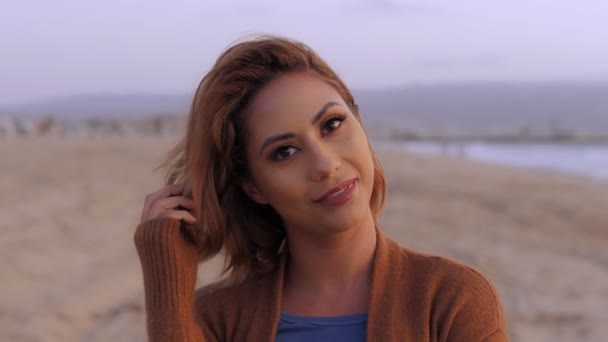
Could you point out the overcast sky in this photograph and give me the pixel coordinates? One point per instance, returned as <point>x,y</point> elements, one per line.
<point>66,47</point>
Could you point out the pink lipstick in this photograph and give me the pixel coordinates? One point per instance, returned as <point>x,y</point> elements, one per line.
<point>340,194</point>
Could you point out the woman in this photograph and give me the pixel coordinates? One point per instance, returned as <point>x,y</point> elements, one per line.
<point>276,170</point>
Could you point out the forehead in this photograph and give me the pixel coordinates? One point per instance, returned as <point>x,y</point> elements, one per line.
<point>288,100</point>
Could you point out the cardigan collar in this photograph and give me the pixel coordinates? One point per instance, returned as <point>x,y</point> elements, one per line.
<point>385,279</point>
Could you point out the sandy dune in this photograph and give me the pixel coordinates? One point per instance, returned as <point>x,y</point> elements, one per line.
<point>70,272</point>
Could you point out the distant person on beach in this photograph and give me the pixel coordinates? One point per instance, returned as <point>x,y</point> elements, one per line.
<point>276,172</point>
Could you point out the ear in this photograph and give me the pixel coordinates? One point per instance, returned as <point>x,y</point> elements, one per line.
<point>253,193</point>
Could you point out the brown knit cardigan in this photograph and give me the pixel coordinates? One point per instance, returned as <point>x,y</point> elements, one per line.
<point>414,297</point>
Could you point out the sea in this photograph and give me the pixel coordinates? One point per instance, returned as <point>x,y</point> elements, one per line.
<point>588,160</point>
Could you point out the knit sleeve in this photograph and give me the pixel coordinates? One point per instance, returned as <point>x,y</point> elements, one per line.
<point>477,313</point>
<point>169,263</point>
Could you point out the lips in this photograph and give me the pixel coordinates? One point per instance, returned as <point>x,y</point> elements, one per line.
<point>339,194</point>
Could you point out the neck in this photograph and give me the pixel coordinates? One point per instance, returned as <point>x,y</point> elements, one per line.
<point>331,264</point>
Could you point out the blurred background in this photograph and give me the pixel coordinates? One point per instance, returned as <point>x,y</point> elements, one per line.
<point>491,120</point>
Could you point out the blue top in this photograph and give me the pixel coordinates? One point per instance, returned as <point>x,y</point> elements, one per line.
<point>294,328</point>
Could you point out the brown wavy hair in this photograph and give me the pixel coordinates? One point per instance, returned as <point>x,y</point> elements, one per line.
<point>211,161</point>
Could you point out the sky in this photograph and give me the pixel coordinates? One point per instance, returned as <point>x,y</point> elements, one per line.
<point>69,47</point>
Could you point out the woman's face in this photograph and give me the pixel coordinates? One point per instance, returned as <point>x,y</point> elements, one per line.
<point>308,156</point>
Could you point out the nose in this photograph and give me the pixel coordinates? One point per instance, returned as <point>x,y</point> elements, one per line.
<point>324,162</point>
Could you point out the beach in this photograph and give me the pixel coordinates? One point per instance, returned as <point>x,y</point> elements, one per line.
<point>69,207</point>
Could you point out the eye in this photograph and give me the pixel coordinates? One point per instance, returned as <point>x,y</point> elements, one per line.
<point>283,152</point>
<point>332,124</point>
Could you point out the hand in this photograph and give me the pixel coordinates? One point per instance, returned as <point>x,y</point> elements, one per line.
<point>165,203</point>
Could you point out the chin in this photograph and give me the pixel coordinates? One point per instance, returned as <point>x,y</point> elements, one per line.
<point>341,224</point>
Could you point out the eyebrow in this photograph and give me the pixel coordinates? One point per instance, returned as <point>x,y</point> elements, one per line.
<point>313,121</point>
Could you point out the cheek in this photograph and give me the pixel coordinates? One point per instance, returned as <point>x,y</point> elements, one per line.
<point>360,145</point>
<point>278,186</point>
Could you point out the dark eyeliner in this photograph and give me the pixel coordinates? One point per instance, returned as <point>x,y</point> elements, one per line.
<point>275,152</point>
<point>340,117</point>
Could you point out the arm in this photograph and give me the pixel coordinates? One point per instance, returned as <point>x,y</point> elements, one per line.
<point>169,263</point>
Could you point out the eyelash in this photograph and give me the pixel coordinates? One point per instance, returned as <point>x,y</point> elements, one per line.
<point>338,117</point>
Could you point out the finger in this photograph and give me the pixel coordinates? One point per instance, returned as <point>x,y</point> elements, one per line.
<point>150,198</point>
<point>173,202</point>
<point>161,207</point>
<point>180,215</point>
<point>164,192</point>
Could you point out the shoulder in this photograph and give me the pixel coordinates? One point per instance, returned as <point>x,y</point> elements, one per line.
<point>221,297</point>
<point>214,306</point>
<point>447,276</point>
<point>435,274</point>
<point>219,306</point>
<point>462,300</point>
<point>230,312</point>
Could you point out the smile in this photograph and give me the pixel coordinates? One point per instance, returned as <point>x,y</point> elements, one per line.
<point>334,194</point>
<point>340,194</point>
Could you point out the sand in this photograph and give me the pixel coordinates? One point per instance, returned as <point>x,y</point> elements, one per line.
<point>68,209</point>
